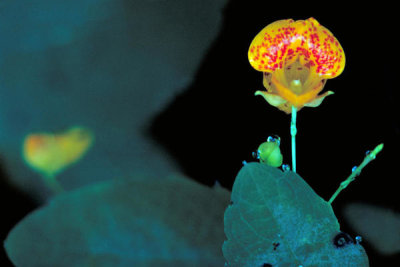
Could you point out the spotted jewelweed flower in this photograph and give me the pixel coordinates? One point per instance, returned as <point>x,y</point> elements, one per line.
<point>296,58</point>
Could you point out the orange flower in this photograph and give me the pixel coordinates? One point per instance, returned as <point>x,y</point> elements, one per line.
<point>296,58</point>
<point>50,153</point>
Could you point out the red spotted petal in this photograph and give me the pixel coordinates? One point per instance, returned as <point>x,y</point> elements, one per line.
<point>273,46</point>
<point>284,41</point>
<point>323,49</point>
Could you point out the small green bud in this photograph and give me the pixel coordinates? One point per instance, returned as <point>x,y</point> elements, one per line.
<point>270,153</point>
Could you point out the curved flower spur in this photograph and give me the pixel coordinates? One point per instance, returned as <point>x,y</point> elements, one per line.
<point>296,58</point>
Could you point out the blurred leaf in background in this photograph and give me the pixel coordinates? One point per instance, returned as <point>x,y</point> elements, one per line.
<point>379,226</point>
<point>125,222</point>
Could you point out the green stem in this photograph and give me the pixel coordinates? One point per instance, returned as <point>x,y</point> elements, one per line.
<point>53,184</point>
<point>293,132</point>
<point>368,158</point>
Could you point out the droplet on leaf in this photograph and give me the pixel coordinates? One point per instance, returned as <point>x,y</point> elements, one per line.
<point>285,167</point>
<point>342,239</point>
<point>256,154</point>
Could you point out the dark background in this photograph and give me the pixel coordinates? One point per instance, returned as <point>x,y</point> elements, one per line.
<point>217,122</point>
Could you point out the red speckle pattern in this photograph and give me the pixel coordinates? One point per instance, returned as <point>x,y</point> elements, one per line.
<point>285,41</point>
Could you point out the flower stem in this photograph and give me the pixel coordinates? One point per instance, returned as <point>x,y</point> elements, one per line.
<point>355,172</point>
<point>293,132</point>
<point>53,184</point>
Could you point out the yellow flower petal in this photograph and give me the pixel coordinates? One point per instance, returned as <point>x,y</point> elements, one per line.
<point>282,42</point>
<point>275,100</point>
<point>49,153</point>
<point>322,50</point>
<point>296,58</point>
<point>269,49</point>
<point>318,100</point>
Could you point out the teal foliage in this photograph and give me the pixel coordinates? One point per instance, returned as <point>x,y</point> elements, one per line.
<point>276,218</point>
<point>127,222</point>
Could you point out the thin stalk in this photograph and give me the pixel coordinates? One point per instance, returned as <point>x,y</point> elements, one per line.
<point>53,183</point>
<point>355,172</point>
<point>293,132</point>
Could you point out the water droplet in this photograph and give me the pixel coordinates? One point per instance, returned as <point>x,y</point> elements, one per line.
<point>342,239</point>
<point>354,168</point>
<point>368,153</point>
<point>274,138</point>
<point>256,154</point>
<point>217,185</point>
<point>358,239</point>
<point>244,162</point>
<point>285,167</point>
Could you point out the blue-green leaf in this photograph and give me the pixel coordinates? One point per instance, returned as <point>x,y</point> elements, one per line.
<point>140,222</point>
<point>276,219</point>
